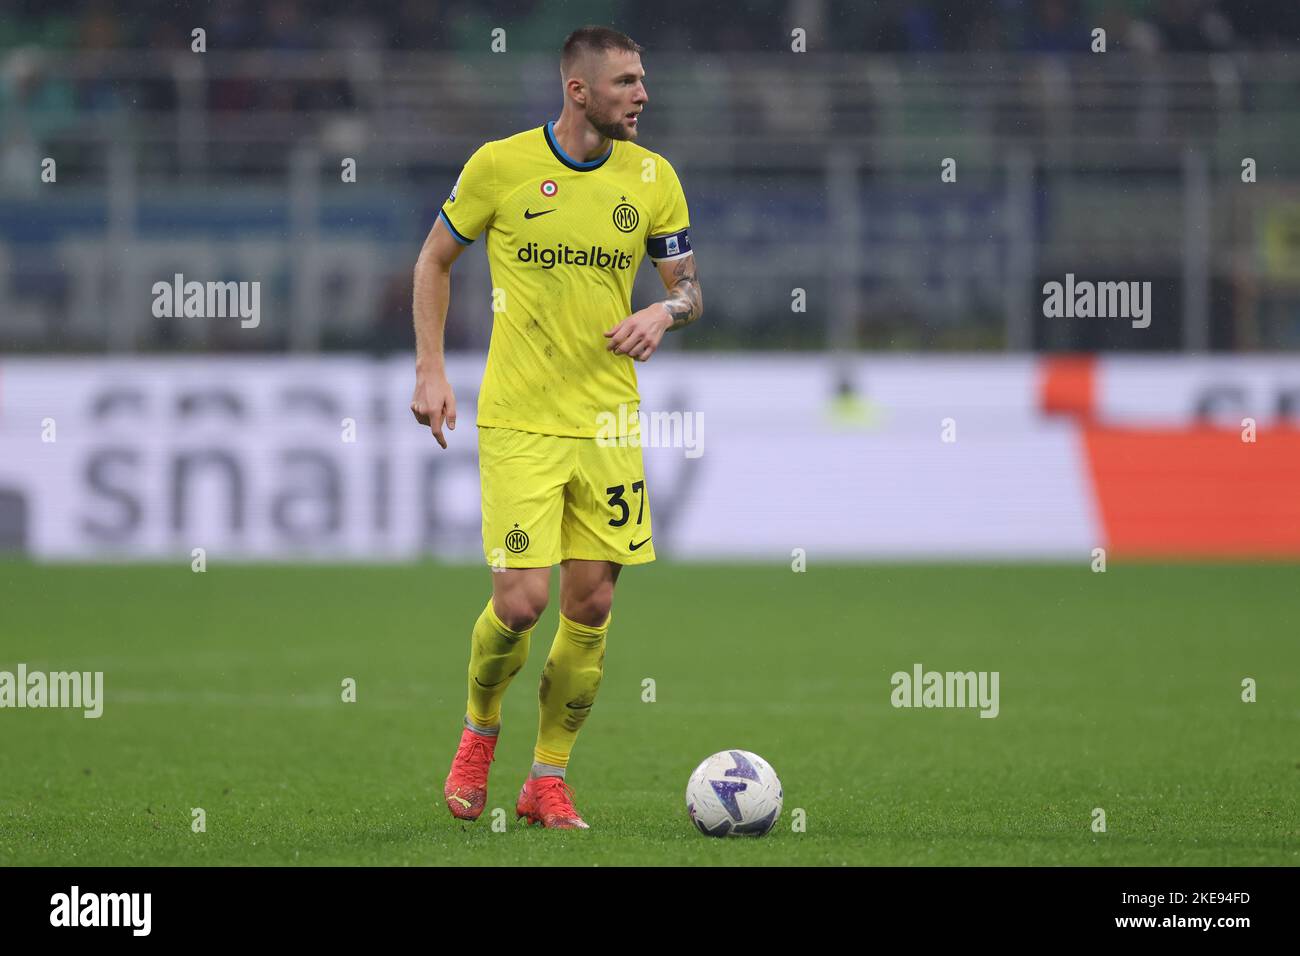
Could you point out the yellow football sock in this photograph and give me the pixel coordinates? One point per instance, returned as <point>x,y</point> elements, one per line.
<point>496,654</point>
<point>568,688</point>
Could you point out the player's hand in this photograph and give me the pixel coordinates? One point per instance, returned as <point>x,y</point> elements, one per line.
<point>432,403</point>
<point>640,333</point>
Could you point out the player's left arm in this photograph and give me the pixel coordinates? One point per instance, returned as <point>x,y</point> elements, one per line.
<point>668,244</point>
<point>641,332</point>
<point>685,302</point>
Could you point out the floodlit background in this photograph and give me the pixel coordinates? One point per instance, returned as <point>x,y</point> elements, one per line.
<point>876,218</point>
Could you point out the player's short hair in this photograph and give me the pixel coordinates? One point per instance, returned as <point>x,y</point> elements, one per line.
<point>593,39</point>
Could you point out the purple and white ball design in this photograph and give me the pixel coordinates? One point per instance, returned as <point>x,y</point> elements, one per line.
<point>734,793</point>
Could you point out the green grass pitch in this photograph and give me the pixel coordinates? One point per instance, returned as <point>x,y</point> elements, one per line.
<point>223,691</point>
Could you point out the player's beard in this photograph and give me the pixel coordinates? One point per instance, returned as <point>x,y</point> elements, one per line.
<point>613,129</point>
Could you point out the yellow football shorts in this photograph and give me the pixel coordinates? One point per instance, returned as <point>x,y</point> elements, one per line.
<point>547,498</point>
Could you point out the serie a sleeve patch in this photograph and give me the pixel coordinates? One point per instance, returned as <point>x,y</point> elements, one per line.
<point>472,202</point>
<point>674,245</point>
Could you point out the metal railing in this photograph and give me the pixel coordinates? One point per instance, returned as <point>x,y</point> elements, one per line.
<point>812,172</point>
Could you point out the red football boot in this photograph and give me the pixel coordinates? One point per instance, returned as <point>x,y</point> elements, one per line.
<point>466,787</point>
<point>549,801</point>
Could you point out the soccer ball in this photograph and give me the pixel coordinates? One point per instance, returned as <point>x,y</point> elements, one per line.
<point>734,793</point>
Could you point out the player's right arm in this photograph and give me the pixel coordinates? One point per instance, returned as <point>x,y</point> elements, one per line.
<point>433,401</point>
<point>465,214</point>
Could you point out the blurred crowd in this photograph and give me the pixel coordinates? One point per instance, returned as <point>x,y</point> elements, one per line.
<point>33,106</point>
<point>70,83</point>
<point>537,25</point>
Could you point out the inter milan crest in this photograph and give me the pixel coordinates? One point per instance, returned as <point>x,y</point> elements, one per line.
<point>516,540</point>
<point>626,217</point>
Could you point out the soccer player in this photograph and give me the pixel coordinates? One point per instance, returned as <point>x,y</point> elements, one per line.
<point>569,210</point>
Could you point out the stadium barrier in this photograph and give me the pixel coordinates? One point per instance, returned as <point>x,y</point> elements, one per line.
<point>747,457</point>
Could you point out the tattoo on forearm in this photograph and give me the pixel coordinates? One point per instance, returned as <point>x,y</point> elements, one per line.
<point>685,302</point>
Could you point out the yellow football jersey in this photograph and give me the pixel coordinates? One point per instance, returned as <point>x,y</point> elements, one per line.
<point>564,240</point>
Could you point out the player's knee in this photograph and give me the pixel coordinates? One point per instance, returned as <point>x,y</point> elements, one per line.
<point>592,608</point>
<point>520,609</point>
